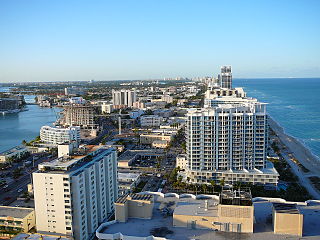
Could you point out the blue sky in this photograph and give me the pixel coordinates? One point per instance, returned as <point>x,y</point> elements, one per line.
<point>106,40</point>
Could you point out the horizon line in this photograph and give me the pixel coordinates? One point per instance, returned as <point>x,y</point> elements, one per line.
<point>155,79</point>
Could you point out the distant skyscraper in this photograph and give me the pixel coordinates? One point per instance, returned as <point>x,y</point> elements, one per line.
<point>123,98</point>
<point>225,77</point>
<point>74,194</point>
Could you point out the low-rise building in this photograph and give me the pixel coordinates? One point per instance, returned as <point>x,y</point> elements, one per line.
<point>150,138</point>
<point>150,121</point>
<point>181,161</point>
<point>16,152</point>
<point>16,219</point>
<point>127,182</point>
<point>287,219</point>
<point>133,206</point>
<point>160,144</point>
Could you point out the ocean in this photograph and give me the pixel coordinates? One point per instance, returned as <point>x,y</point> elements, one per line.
<point>293,102</point>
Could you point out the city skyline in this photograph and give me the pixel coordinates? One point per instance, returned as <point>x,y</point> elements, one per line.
<point>78,41</point>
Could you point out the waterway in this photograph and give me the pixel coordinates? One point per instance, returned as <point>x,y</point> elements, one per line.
<point>14,128</point>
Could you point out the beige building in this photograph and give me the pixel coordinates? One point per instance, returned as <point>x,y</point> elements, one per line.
<point>181,161</point>
<point>150,138</point>
<point>287,219</point>
<point>16,219</point>
<point>160,144</point>
<point>134,206</point>
<point>233,213</point>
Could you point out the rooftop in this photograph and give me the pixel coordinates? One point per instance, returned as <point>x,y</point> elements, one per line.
<point>286,208</point>
<point>15,212</point>
<point>78,158</point>
<point>134,196</point>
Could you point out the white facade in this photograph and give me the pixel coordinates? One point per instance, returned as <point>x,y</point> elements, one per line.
<point>106,108</point>
<point>150,121</point>
<point>123,98</point>
<point>74,195</point>
<point>228,138</point>
<point>57,135</point>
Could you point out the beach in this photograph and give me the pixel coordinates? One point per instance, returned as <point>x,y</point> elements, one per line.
<point>295,149</point>
<point>300,152</point>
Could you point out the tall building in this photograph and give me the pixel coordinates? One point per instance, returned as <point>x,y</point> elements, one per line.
<point>229,141</point>
<point>75,193</point>
<point>123,98</point>
<point>225,77</point>
<point>79,115</point>
<point>73,91</point>
<point>58,135</point>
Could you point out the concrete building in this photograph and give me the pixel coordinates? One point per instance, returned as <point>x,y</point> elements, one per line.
<point>229,142</point>
<point>58,135</point>
<point>150,138</point>
<point>167,98</point>
<point>233,213</point>
<point>127,182</point>
<point>74,91</point>
<point>150,121</point>
<point>225,77</point>
<point>16,219</point>
<point>106,107</point>
<point>160,144</point>
<point>79,115</point>
<point>133,206</point>
<point>74,194</point>
<point>123,98</point>
<point>16,152</point>
<point>287,219</point>
<point>182,216</point>
<point>181,161</point>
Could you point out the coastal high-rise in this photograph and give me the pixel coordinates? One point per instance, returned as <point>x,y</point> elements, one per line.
<point>225,77</point>
<point>123,98</point>
<point>228,141</point>
<point>75,193</point>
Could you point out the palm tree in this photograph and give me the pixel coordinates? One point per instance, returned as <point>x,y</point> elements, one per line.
<point>213,183</point>
<point>222,182</point>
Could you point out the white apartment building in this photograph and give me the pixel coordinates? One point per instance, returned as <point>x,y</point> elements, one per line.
<point>229,142</point>
<point>58,135</point>
<point>123,98</point>
<point>150,121</point>
<point>74,194</point>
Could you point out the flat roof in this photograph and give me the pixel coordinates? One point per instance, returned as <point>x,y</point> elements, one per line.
<point>16,212</point>
<point>66,163</point>
<point>286,208</point>
<point>197,207</point>
<point>134,196</point>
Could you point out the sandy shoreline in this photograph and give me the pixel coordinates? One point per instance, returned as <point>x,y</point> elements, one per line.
<point>300,152</point>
